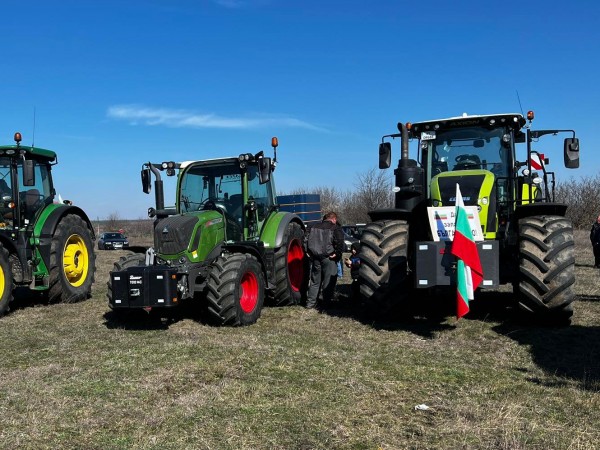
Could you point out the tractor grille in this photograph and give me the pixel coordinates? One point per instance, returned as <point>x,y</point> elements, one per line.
<point>470,185</point>
<point>172,235</point>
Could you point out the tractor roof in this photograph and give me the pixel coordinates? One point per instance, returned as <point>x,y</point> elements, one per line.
<point>514,120</point>
<point>229,160</point>
<point>10,150</point>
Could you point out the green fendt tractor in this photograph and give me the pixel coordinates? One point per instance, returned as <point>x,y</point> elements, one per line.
<point>527,241</point>
<point>225,244</point>
<point>45,246</point>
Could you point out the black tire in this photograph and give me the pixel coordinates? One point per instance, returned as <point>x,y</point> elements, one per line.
<point>235,290</point>
<point>72,261</point>
<point>290,267</point>
<point>124,262</point>
<point>383,260</point>
<point>546,268</point>
<point>6,282</point>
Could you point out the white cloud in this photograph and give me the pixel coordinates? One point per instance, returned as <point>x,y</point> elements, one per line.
<point>142,115</point>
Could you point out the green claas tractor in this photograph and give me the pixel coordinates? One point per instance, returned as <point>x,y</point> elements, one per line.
<point>44,246</point>
<point>527,240</point>
<point>225,243</point>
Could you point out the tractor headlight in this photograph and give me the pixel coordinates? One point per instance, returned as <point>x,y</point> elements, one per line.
<point>484,201</point>
<point>537,180</point>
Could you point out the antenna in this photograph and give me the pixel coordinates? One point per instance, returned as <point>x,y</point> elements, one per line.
<point>33,134</point>
<point>520,106</point>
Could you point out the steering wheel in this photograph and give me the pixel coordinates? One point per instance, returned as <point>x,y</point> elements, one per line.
<point>209,203</point>
<point>467,160</point>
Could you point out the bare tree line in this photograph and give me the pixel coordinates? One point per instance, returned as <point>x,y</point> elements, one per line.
<point>583,197</point>
<point>373,190</point>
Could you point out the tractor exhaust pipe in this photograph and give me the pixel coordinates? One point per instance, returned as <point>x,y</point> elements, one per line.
<point>404,144</point>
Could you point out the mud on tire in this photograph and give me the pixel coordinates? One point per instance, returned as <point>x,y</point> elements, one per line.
<point>546,268</point>
<point>290,267</point>
<point>235,290</point>
<point>72,261</point>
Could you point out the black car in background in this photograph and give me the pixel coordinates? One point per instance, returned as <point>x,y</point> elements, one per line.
<point>112,241</point>
<point>348,241</point>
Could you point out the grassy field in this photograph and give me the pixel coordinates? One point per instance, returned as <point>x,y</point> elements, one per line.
<point>73,376</point>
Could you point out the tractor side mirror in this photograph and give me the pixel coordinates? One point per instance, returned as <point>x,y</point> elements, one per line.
<point>385,155</point>
<point>571,153</point>
<point>28,173</point>
<point>146,185</point>
<point>264,170</point>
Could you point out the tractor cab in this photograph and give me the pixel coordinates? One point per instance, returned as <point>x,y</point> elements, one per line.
<point>25,184</point>
<point>231,187</point>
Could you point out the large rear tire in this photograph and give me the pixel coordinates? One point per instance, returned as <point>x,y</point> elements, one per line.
<point>235,290</point>
<point>383,260</point>
<point>546,268</point>
<point>6,282</point>
<point>289,267</point>
<point>72,261</point>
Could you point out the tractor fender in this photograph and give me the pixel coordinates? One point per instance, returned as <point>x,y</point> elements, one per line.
<point>274,230</point>
<point>540,209</point>
<point>47,222</point>
<point>250,249</point>
<point>390,214</point>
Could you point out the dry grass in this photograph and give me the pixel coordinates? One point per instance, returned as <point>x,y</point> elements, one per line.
<point>75,377</point>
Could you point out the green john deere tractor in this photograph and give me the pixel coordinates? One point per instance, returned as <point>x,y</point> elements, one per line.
<point>225,243</point>
<point>45,246</point>
<point>527,241</point>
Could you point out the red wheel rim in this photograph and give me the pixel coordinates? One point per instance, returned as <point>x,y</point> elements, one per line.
<point>249,292</point>
<point>295,264</point>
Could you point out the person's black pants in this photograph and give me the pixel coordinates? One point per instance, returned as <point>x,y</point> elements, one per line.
<point>597,256</point>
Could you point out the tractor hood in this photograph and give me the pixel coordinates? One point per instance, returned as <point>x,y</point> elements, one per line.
<point>477,188</point>
<point>188,233</point>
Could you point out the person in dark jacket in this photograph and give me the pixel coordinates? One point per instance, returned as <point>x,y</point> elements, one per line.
<point>595,238</point>
<point>324,244</point>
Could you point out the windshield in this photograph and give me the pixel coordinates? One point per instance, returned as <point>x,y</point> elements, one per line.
<point>470,148</point>
<point>221,184</point>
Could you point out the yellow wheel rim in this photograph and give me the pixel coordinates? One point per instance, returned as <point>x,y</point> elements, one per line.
<point>75,260</point>
<point>2,282</point>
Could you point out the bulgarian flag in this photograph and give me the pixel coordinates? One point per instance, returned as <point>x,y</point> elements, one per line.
<point>468,269</point>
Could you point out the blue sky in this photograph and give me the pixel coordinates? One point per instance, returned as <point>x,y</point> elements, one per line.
<point>117,83</point>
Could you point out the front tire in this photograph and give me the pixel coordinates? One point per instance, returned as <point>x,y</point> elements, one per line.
<point>72,261</point>
<point>289,267</point>
<point>6,282</point>
<point>235,290</point>
<point>383,260</point>
<point>546,268</point>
